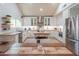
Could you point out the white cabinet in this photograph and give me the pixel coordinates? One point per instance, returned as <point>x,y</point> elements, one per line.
<point>46,21</point>
<point>53,21</point>
<point>16,38</point>
<point>29,21</point>
<point>34,21</point>
<point>62,7</point>
<point>74,11</point>
<point>49,21</point>
<point>7,38</point>
<point>59,19</point>
<point>22,36</point>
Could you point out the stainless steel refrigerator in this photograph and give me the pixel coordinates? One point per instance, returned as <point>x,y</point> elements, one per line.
<point>72,34</point>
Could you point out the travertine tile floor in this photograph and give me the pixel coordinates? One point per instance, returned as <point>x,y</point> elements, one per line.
<point>19,49</point>
<point>44,42</point>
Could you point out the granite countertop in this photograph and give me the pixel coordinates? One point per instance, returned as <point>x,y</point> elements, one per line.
<point>8,33</point>
<point>41,32</point>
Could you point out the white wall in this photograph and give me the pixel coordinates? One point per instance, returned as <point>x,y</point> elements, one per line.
<point>9,9</point>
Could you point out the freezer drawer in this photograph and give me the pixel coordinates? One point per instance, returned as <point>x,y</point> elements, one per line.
<point>73,45</point>
<point>77,48</point>
<point>70,45</point>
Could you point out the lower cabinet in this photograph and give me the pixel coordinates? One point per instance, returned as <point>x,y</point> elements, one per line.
<point>7,41</point>
<point>70,45</point>
<point>22,36</point>
<point>16,38</point>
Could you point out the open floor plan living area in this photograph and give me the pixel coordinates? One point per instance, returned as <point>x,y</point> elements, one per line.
<point>39,29</point>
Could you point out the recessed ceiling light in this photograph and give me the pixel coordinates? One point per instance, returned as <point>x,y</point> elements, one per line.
<point>41,9</point>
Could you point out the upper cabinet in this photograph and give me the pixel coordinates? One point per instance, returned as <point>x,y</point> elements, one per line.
<point>71,10</point>
<point>34,21</point>
<point>39,21</point>
<point>74,11</point>
<point>62,7</point>
<point>47,21</point>
<point>29,21</point>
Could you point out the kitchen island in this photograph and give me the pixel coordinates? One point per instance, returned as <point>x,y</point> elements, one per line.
<point>40,35</point>
<point>7,39</point>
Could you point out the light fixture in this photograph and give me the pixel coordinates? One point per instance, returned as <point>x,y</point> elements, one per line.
<point>41,9</point>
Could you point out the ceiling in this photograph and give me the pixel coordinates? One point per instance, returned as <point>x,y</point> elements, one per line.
<point>36,9</point>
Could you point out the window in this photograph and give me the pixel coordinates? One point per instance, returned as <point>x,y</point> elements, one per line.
<point>34,21</point>
<point>31,21</point>
<point>48,21</point>
<point>15,23</point>
<point>45,21</point>
<point>18,23</point>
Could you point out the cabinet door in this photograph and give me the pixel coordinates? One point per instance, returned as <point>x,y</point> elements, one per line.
<point>33,21</point>
<point>23,36</point>
<point>52,21</point>
<point>46,21</point>
<point>70,45</point>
